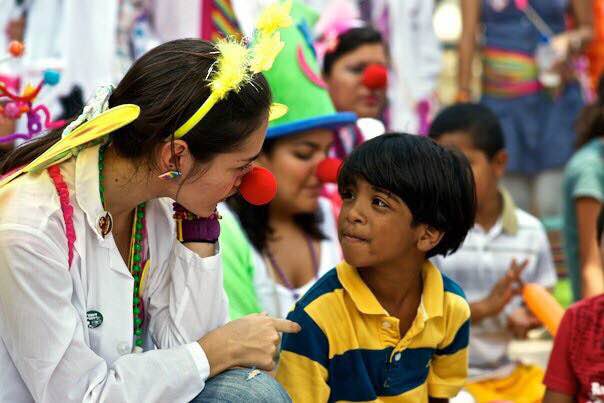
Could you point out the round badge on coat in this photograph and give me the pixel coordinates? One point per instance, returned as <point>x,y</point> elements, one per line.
<point>95,319</point>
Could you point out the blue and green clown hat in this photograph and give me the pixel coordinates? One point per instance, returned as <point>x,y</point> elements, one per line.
<point>295,81</point>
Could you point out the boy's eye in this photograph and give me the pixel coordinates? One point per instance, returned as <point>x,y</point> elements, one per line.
<point>379,203</point>
<point>346,194</point>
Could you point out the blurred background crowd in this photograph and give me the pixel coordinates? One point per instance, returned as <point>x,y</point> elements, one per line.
<point>438,52</point>
<point>535,64</point>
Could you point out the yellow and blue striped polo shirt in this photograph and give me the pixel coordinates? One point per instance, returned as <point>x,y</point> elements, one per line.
<point>351,350</point>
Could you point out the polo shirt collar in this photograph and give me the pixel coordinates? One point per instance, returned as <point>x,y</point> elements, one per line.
<point>364,300</point>
<point>509,218</point>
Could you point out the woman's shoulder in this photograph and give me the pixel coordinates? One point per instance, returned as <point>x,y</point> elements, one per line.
<point>31,219</point>
<point>30,200</point>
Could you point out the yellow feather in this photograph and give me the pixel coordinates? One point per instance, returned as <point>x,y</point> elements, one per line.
<point>236,64</point>
<point>232,67</point>
<point>274,17</point>
<point>265,52</point>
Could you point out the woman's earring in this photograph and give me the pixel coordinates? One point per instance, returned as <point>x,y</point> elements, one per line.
<point>169,175</point>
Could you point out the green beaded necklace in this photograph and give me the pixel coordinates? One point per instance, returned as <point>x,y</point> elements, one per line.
<point>136,249</point>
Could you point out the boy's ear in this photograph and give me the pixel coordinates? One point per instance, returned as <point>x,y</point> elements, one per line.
<point>428,238</point>
<point>499,162</point>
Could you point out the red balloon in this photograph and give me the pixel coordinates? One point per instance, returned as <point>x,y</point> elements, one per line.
<point>328,170</point>
<point>375,76</point>
<point>258,186</point>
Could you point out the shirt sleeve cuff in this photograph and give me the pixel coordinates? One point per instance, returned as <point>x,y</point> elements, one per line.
<point>201,360</point>
<point>194,260</point>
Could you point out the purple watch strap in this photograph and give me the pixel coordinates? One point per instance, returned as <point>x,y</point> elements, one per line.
<point>191,228</point>
<point>201,230</point>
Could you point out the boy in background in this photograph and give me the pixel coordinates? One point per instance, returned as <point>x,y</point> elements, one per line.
<point>505,247</point>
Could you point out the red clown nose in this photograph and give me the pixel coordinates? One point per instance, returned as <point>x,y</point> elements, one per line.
<point>375,77</point>
<point>328,170</point>
<point>258,186</point>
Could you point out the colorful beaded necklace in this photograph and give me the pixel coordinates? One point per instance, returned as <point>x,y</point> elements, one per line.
<point>135,262</point>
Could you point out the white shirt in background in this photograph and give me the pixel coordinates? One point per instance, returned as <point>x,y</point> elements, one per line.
<point>481,261</point>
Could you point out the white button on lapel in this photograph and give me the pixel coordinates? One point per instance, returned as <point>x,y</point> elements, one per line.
<point>386,325</point>
<point>397,357</point>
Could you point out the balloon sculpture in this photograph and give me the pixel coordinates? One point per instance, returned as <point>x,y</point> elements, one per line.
<point>544,306</point>
<point>14,105</point>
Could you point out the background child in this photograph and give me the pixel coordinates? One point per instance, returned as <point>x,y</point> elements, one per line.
<point>505,245</point>
<point>387,323</point>
<point>576,366</point>
<point>583,192</point>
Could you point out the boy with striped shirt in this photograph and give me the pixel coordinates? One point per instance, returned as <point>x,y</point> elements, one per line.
<point>386,325</point>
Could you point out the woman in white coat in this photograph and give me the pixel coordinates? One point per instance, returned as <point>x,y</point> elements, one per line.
<point>104,296</point>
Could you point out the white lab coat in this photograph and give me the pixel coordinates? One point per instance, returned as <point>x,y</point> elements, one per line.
<point>47,351</point>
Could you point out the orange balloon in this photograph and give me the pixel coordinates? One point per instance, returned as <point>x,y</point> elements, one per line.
<point>544,306</point>
<point>16,48</point>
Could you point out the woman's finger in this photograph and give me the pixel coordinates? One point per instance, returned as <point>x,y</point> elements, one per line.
<point>286,326</point>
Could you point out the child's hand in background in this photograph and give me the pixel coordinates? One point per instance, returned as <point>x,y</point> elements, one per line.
<point>502,292</point>
<point>506,288</point>
<point>521,321</point>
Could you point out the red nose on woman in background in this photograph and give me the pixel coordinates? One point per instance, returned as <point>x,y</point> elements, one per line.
<point>375,76</point>
<point>328,169</point>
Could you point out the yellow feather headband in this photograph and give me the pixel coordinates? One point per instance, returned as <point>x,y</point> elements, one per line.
<point>237,64</point>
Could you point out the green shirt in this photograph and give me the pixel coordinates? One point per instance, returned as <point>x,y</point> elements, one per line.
<point>237,261</point>
<point>583,177</point>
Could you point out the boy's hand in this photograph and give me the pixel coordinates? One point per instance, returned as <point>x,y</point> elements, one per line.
<point>502,292</point>
<point>521,321</point>
<point>506,288</point>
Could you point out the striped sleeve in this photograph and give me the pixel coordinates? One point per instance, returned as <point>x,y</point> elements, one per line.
<point>449,366</point>
<point>304,359</point>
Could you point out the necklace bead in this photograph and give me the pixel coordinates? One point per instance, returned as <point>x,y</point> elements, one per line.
<point>136,255</point>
